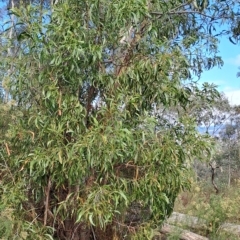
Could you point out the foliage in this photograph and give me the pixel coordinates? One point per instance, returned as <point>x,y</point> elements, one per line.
<point>90,155</point>
<point>221,120</point>
<point>212,119</point>
<point>227,154</point>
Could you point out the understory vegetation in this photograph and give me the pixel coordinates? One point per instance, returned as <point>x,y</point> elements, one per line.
<point>214,209</point>
<point>100,109</point>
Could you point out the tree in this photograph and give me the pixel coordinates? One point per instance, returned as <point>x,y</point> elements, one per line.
<point>212,119</point>
<point>228,154</point>
<point>90,157</point>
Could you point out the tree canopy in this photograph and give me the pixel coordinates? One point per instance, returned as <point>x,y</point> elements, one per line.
<point>102,141</point>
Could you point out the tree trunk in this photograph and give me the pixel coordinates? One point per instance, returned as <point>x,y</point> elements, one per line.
<point>229,172</point>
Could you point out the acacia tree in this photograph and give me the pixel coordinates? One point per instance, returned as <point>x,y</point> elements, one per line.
<point>91,157</point>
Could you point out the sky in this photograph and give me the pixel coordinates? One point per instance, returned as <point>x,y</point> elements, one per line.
<point>226,77</point>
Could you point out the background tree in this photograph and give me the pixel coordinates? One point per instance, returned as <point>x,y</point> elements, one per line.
<point>211,119</point>
<point>91,155</point>
<point>228,154</point>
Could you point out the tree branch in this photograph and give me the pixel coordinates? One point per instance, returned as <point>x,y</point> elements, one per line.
<point>47,192</point>
<point>183,12</point>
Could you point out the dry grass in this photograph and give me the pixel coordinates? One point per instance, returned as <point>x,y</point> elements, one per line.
<point>215,209</point>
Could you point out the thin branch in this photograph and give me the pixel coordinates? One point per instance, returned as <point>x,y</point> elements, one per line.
<point>7,149</point>
<point>180,6</point>
<point>183,12</point>
<point>47,201</point>
<point>8,169</point>
<point>76,228</point>
<point>94,237</point>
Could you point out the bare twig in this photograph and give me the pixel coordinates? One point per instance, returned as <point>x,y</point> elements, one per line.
<point>7,148</point>
<point>47,192</point>
<point>185,12</point>
<point>76,228</point>
<point>180,6</point>
<point>94,237</point>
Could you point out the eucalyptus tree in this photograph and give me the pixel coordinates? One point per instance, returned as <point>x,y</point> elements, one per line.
<point>212,118</point>
<point>90,157</point>
<point>228,155</point>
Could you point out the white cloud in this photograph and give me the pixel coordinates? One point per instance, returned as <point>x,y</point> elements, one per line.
<point>233,96</point>
<point>234,61</point>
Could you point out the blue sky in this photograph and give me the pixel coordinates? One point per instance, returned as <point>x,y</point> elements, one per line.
<point>226,77</point>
